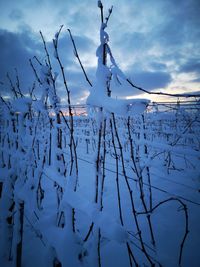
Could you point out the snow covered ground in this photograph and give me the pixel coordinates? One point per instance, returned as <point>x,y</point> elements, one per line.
<point>124,192</point>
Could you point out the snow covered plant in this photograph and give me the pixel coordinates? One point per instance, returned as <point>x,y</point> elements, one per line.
<point>100,93</point>
<point>113,188</point>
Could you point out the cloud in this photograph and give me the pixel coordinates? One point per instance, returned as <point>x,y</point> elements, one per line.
<point>155,66</point>
<point>159,33</point>
<point>146,80</point>
<point>192,65</point>
<point>16,14</point>
<point>15,50</point>
<point>152,80</point>
<point>25,45</point>
<point>151,43</point>
<point>196,80</point>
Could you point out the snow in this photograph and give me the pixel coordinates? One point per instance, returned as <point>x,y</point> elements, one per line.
<point>110,228</point>
<point>175,176</point>
<point>44,71</point>
<point>123,107</point>
<point>99,3</point>
<point>38,106</point>
<point>21,104</point>
<point>98,96</point>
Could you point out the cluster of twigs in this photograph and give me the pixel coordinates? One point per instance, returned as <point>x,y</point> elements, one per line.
<point>39,126</point>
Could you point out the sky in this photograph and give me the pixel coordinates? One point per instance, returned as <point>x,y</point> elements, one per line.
<point>156,43</point>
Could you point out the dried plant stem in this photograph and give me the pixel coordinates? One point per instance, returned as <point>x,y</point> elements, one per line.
<point>5,103</point>
<point>117,175</point>
<point>130,253</point>
<point>74,146</point>
<point>89,232</point>
<point>184,207</point>
<point>18,84</point>
<point>103,164</point>
<point>131,194</point>
<point>77,56</point>
<point>140,179</point>
<point>99,247</point>
<point>147,168</point>
<point>35,72</point>
<point>98,161</point>
<point>19,245</point>
<point>101,9</point>
<point>12,86</point>
<point>131,256</point>
<point>161,93</point>
<point>72,143</point>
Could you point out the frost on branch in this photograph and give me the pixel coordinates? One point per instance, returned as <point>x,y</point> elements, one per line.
<point>99,4</point>
<point>100,92</point>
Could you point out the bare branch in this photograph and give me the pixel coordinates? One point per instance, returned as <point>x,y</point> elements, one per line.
<point>31,90</point>
<point>101,8</point>
<point>35,72</point>
<point>38,61</point>
<point>47,53</point>
<point>109,13</point>
<point>6,104</point>
<point>12,86</point>
<point>77,56</point>
<point>161,93</point>
<point>18,83</point>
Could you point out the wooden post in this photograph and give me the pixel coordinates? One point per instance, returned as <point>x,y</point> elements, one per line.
<point>19,245</point>
<point>1,187</point>
<point>57,263</point>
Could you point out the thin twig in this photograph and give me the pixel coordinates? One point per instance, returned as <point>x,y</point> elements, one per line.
<point>12,86</point>
<point>35,72</point>
<point>18,83</point>
<point>184,208</point>
<point>6,104</point>
<point>131,194</point>
<point>161,93</point>
<point>77,56</point>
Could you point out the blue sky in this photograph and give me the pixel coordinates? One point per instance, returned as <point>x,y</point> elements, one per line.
<point>156,43</point>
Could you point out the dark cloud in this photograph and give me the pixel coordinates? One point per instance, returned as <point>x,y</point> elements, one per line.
<point>132,42</point>
<point>151,80</point>
<point>193,65</point>
<point>179,23</point>
<point>15,51</point>
<point>172,35</point>
<point>158,66</point>
<point>146,80</point>
<point>17,48</point>
<point>16,14</point>
<point>149,40</point>
<point>73,73</point>
<point>196,80</point>
<point>76,84</point>
<point>66,51</point>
